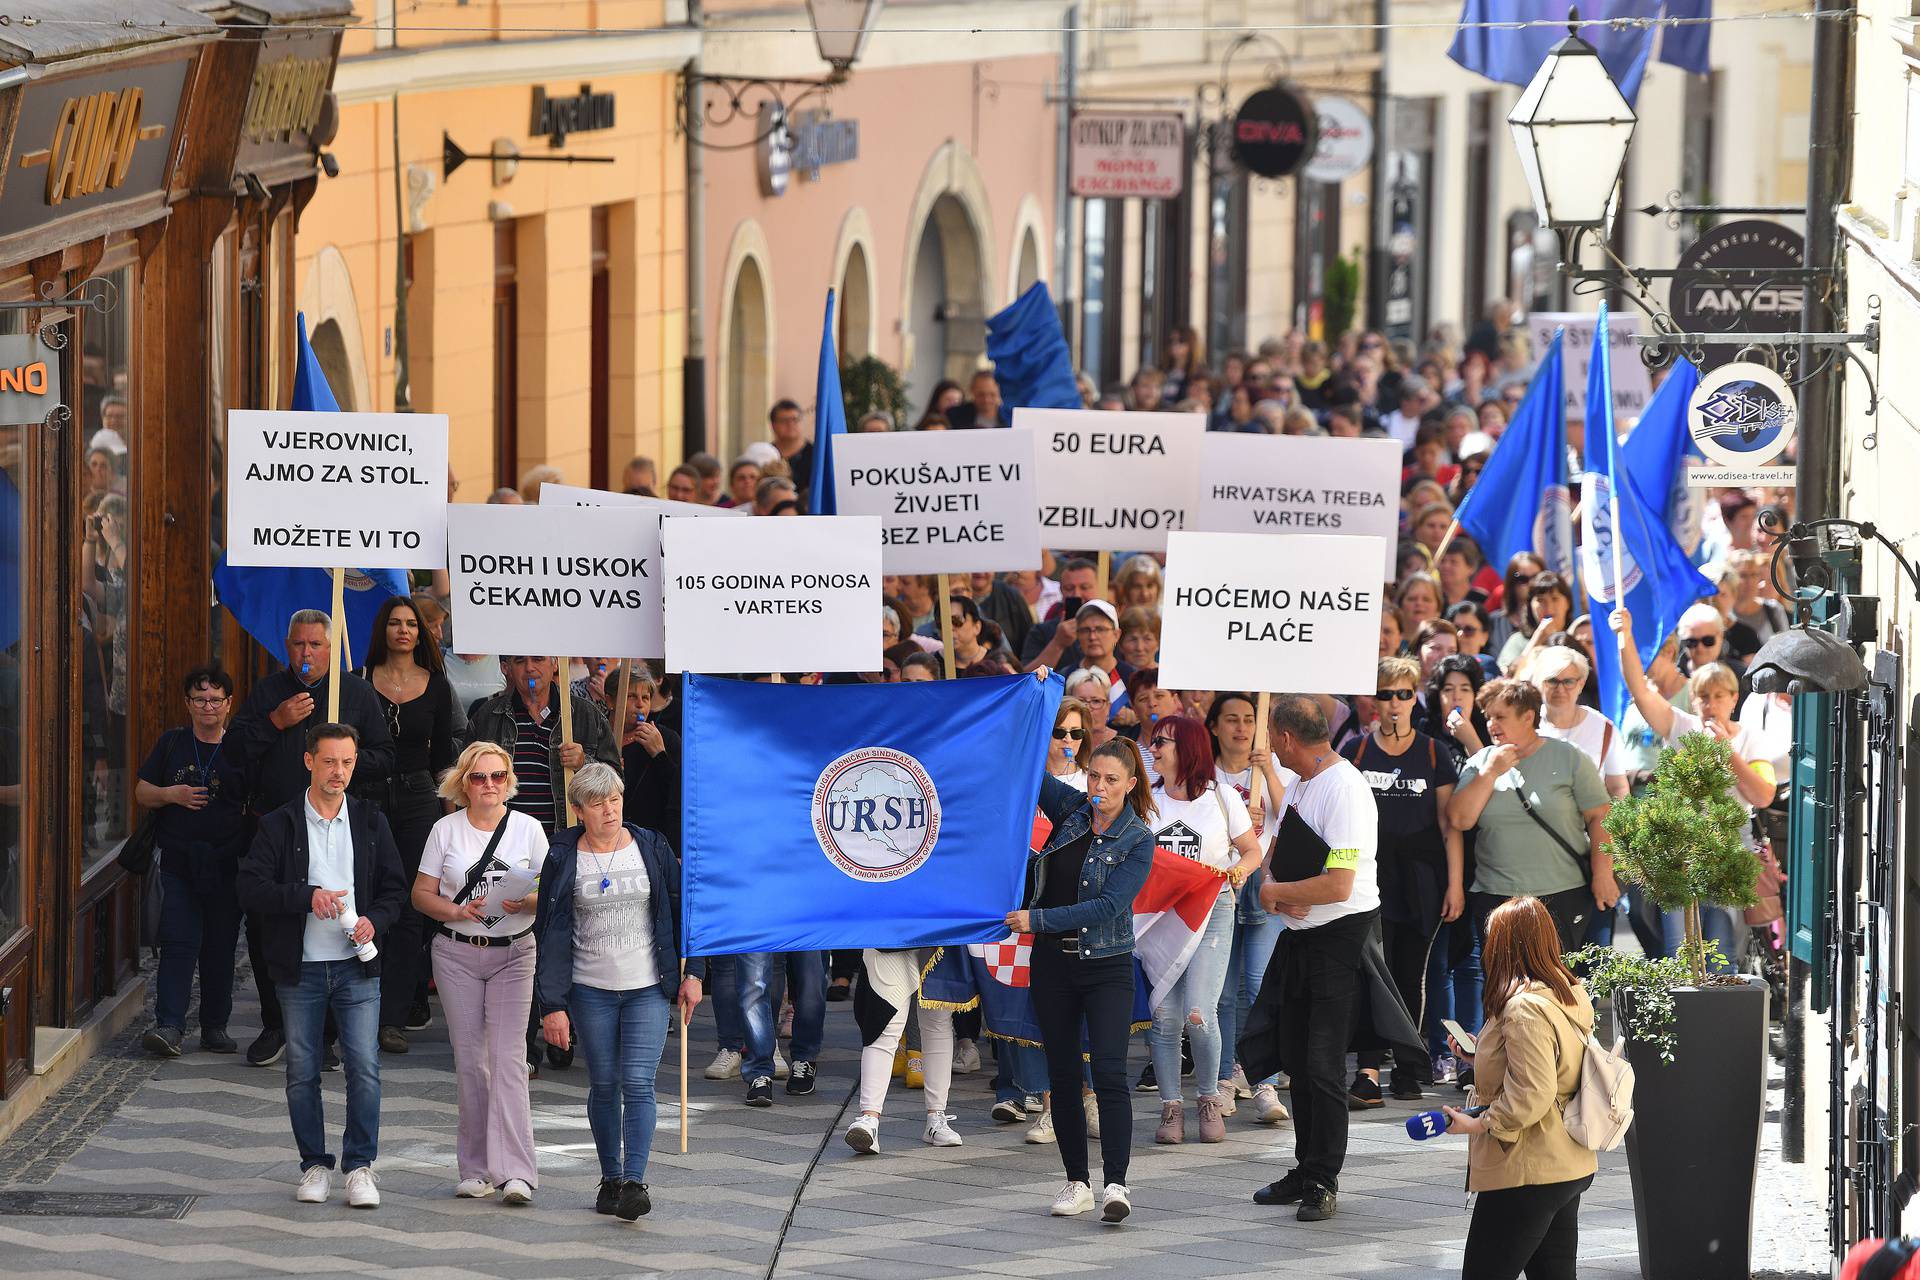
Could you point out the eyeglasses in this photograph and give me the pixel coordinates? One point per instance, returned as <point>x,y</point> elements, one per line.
<point>207,702</point>
<point>1563,682</point>
<point>498,778</point>
<point>1396,695</point>
<point>1072,735</point>
<point>1699,642</point>
<point>1471,629</point>
<point>1161,742</point>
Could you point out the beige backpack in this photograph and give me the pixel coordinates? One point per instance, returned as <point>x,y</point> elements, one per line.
<point>1601,1108</point>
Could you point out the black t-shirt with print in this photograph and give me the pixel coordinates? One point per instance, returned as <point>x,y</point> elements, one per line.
<point>1404,789</point>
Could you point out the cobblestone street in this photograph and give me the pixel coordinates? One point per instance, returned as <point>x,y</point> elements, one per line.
<point>773,1193</point>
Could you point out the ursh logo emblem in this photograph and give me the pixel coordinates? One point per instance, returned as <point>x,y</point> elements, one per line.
<point>876,814</point>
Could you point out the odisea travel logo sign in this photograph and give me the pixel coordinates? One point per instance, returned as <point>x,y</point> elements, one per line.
<point>1742,417</point>
<point>876,814</point>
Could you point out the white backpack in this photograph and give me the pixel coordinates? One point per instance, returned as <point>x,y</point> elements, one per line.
<point>1601,1108</point>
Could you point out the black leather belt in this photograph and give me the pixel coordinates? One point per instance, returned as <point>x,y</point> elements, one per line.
<point>483,940</point>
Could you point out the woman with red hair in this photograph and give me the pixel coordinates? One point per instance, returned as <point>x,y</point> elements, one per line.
<point>1198,819</point>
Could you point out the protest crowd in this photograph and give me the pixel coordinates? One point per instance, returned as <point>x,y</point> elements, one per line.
<point>1388,864</point>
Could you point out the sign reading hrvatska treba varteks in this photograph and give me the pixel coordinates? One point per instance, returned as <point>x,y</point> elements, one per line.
<point>1253,483</point>
<point>1271,613</point>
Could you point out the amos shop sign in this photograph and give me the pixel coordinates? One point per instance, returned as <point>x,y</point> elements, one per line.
<point>1275,132</point>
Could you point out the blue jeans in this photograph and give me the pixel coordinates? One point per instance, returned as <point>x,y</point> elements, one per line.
<point>1199,990</point>
<point>1253,943</point>
<point>760,983</point>
<point>1716,925</point>
<point>723,987</point>
<point>623,1034</point>
<point>343,988</point>
<point>1453,990</point>
<point>1021,1071</point>
<point>195,929</point>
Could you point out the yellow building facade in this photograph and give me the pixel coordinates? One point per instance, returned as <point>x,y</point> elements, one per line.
<point>544,300</point>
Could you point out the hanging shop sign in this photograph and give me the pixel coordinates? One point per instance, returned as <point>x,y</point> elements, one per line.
<point>820,140</point>
<point>582,112</point>
<point>774,152</point>
<point>1114,154</point>
<point>1742,417</point>
<point>1346,140</point>
<point>289,116</point>
<point>1275,132</point>
<point>1704,300</point>
<point>29,380</point>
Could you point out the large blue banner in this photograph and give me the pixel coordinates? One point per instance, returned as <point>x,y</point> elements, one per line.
<point>843,816</point>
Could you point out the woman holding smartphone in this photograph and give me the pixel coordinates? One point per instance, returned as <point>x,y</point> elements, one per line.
<point>650,759</point>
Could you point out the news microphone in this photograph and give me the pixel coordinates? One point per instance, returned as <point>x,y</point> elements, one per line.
<point>1431,1124</point>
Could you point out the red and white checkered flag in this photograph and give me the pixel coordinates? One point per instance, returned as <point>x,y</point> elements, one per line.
<point>1008,960</point>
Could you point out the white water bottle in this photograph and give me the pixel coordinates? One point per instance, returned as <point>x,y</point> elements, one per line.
<point>365,951</point>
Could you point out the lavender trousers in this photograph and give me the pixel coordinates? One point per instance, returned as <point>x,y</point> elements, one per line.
<point>486,992</point>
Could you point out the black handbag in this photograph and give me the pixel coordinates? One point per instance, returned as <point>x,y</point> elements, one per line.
<point>137,851</point>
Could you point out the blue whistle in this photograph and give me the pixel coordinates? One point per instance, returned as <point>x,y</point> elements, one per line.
<point>306,669</point>
<point>1094,801</point>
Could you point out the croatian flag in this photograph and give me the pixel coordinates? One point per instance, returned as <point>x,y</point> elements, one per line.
<point>1169,915</point>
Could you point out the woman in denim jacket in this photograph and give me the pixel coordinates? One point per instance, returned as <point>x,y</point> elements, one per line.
<point>1080,892</point>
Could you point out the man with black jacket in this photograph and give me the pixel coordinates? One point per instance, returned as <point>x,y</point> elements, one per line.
<point>323,878</point>
<point>268,743</point>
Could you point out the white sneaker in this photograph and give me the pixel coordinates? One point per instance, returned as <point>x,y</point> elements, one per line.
<point>316,1184</point>
<point>1091,1105</point>
<point>863,1135</point>
<point>1040,1132</point>
<point>1116,1204</point>
<point>966,1057</point>
<point>1241,1088</point>
<point>1074,1198</point>
<point>939,1133</point>
<point>361,1191</point>
<point>725,1065</point>
<point>1267,1105</point>
<point>1226,1097</point>
<point>473,1189</point>
<point>779,1066</point>
<point>516,1192</point>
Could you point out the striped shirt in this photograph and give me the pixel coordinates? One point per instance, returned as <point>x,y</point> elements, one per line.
<point>533,765</point>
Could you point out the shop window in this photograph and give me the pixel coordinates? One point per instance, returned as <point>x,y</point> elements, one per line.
<point>106,570</point>
<point>1100,291</point>
<point>13,508</point>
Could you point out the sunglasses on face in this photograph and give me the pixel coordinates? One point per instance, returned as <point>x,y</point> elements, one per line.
<point>1072,735</point>
<point>498,778</point>
<point>1395,695</point>
<point>1699,642</point>
<point>1161,742</point>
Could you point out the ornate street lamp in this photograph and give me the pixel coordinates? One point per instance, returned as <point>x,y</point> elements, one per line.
<point>1572,127</point>
<point>840,31</point>
<point>841,28</point>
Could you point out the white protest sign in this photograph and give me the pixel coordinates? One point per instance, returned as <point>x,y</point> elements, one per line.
<point>793,593</point>
<point>336,490</point>
<point>552,579</point>
<point>1298,613</point>
<point>948,501</point>
<point>1301,484</point>
<point>1113,481</point>
<point>1632,388</point>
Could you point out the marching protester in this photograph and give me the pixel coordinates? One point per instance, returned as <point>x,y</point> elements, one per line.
<point>607,930</point>
<point>886,995</point>
<point>1516,586</point>
<point>1421,864</point>
<point>1536,805</point>
<point>1323,878</point>
<point>403,666</point>
<point>1453,974</point>
<point>1094,691</point>
<point>1549,612</point>
<point>199,800</point>
<point>1067,761</point>
<point>650,755</point>
<point>1526,1171</point>
<point>268,742</point>
<point>1232,719</point>
<point>1716,692</point>
<point>1199,819</point>
<point>483,962</point>
<point>1079,896</point>
<point>323,879</point>
<point>1560,673</point>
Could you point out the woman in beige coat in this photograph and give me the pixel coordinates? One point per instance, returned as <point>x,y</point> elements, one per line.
<point>1528,1172</point>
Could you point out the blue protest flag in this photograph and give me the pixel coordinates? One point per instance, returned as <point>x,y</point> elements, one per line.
<point>1512,54</point>
<point>1521,501</point>
<point>1031,361</point>
<point>261,600</point>
<point>1655,580</point>
<point>846,816</point>
<point>1655,455</point>
<point>829,420</point>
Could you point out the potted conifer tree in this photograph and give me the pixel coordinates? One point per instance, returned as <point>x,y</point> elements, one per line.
<point>1696,1033</point>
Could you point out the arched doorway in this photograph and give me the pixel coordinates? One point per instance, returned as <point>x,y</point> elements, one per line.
<point>330,348</point>
<point>748,372</point>
<point>947,310</point>
<point>856,306</point>
<point>1028,272</point>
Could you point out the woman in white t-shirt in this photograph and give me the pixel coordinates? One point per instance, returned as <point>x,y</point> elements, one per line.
<point>483,962</point>
<point>1560,672</point>
<point>1072,743</point>
<point>1201,820</point>
<point>1716,693</point>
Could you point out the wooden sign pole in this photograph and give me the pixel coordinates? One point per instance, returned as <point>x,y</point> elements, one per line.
<point>620,714</point>
<point>942,610</point>
<point>684,1019</point>
<point>1262,709</point>
<point>1104,588</point>
<point>337,626</point>
<point>563,672</point>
